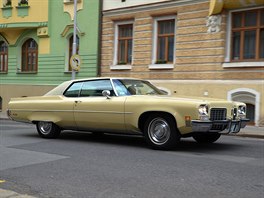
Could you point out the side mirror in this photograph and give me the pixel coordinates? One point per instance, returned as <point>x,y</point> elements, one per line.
<point>106,93</point>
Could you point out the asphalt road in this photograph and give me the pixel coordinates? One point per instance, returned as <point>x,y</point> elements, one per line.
<point>81,165</point>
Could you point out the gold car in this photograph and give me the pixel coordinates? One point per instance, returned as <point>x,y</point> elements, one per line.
<point>134,106</point>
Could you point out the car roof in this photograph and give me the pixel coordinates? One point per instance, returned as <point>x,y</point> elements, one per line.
<point>61,88</point>
<point>104,78</point>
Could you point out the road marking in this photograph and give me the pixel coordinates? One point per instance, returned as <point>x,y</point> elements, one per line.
<point>2,181</point>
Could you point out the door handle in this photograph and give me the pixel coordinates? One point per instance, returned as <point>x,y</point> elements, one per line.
<point>77,101</point>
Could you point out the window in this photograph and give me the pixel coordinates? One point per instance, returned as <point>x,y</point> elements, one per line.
<point>29,56</point>
<point>23,3</point>
<point>95,88</point>
<point>125,41</point>
<point>7,3</point>
<point>3,56</point>
<point>247,35</point>
<point>163,49</point>
<point>89,88</point>
<point>123,46</point>
<point>165,41</point>
<point>70,49</point>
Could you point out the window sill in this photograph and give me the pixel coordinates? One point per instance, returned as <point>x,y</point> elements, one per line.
<point>243,64</point>
<point>7,8</point>
<point>33,72</point>
<point>161,66</point>
<point>121,67</point>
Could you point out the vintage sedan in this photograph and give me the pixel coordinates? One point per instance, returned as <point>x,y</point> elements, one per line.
<point>130,106</point>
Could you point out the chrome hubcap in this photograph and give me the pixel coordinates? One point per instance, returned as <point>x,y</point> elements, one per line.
<point>45,127</point>
<point>159,131</point>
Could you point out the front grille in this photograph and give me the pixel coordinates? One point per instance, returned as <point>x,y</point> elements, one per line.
<point>218,114</point>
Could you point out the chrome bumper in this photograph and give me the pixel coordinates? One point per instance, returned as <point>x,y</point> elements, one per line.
<point>220,126</point>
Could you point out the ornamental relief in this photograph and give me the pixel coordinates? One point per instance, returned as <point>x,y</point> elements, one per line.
<point>213,23</point>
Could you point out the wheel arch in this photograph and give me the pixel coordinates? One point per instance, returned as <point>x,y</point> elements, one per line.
<point>144,116</point>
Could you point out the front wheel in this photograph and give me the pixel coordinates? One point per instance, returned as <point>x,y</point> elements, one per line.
<point>206,138</point>
<point>48,129</point>
<point>160,131</point>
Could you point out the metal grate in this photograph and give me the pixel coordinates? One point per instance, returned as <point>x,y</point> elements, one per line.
<point>218,114</point>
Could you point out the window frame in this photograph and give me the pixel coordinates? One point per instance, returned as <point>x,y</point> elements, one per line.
<point>4,68</point>
<point>229,48</point>
<point>26,53</point>
<point>154,64</point>
<point>115,65</point>
<point>82,84</point>
<point>126,40</point>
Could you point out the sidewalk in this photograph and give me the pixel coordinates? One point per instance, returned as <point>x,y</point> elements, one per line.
<point>252,131</point>
<point>11,194</point>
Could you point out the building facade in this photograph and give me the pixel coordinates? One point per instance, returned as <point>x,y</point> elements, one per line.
<point>204,48</point>
<point>36,45</point>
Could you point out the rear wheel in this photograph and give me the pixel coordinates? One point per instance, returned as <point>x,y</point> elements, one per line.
<point>48,129</point>
<point>160,131</point>
<point>206,138</point>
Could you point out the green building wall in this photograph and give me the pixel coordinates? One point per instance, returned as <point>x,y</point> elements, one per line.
<point>52,66</point>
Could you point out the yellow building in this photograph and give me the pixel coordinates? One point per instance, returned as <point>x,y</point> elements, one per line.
<point>189,47</point>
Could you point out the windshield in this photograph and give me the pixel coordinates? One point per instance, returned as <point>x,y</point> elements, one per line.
<point>126,87</point>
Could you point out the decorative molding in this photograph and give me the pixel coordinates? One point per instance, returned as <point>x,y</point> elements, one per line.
<point>148,7</point>
<point>7,12</point>
<point>42,32</point>
<point>68,7</point>
<point>24,25</point>
<point>213,23</point>
<point>67,29</point>
<point>22,11</point>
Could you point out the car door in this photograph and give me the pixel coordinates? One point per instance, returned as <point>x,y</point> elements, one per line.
<point>93,111</point>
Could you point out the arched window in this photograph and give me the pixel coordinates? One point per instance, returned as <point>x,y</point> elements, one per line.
<point>70,49</point>
<point>29,56</point>
<point>251,98</point>
<point>3,56</point>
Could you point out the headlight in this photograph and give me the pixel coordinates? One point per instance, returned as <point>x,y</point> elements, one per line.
<point>241,110</point>
<point>203,110</point>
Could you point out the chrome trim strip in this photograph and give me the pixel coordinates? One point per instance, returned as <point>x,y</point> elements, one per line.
<point>80,111</point>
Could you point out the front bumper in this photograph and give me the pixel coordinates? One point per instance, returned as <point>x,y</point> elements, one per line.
<point>220,126</point>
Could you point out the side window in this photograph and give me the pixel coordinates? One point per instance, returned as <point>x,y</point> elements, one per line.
<point>95,88</point>
<point>74,90</point>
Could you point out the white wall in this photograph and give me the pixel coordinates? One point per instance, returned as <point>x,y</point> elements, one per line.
<point>114,4</point>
